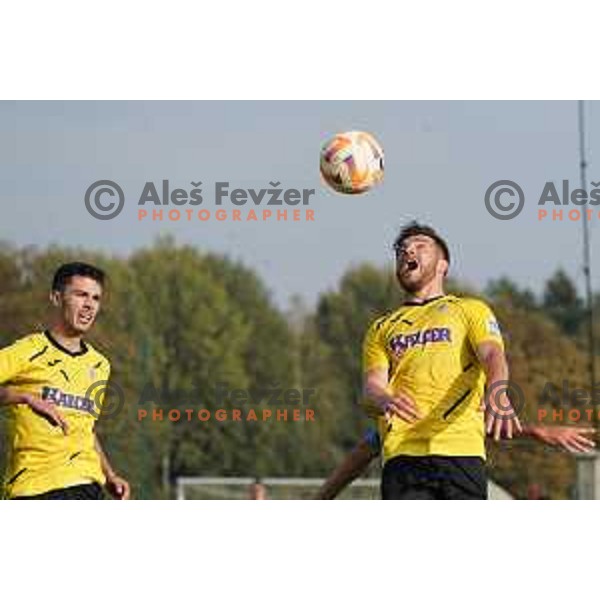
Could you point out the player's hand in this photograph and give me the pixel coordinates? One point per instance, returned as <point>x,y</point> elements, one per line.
<point>402,406</point>
<point>572,439</point>
<point>118,487</point>
<point>501,419</point>
<point>48,410</point>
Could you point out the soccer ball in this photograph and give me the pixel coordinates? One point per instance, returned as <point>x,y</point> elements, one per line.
<point>352,162</point>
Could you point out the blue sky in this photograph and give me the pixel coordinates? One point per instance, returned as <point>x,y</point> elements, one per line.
<point>440,159</point>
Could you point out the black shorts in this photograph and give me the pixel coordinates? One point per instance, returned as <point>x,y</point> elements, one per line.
<point>434,478</point>
<point>86,491</point>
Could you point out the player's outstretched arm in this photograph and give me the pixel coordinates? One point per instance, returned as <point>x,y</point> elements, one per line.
<point>353,465</point>
<point>572,439</point>
<point>378,401</point>
<point>116,486</point>
<point>43,408</point>
<point>501,417</point>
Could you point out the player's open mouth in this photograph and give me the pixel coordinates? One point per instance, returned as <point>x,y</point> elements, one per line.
<point>86,319</point>
<point>410,265</point>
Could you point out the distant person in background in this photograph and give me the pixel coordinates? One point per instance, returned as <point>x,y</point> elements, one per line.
<point>355,463</point>
<point>55,453</point>
<point>258,491</point>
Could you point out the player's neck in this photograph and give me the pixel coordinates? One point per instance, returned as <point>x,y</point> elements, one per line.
<point>432,290</point>
<point>66,338</point>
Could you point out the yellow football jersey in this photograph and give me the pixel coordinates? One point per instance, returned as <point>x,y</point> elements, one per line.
<point>429,352</point>
<point>42,457</point>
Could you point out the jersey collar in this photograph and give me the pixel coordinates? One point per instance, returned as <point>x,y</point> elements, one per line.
<point>60,347</point>
<point>428,301</point>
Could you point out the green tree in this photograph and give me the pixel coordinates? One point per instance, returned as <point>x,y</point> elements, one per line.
<point>270,362</point>
<point>196,341</point>
<point>562,304</point>
<point>506,292</point>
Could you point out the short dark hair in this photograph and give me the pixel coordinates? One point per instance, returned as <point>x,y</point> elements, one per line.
<point>416,228</point>
<point>65,272</point>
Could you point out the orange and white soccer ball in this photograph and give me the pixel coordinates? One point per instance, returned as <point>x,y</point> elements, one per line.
<point>352,162</point>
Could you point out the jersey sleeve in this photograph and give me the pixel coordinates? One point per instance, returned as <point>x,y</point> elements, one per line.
<point>482,325</point>
<point>374,354</point>
<point>13,359</point>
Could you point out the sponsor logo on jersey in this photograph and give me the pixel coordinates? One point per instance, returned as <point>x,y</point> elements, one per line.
<point>60,398</point>
<point>400,343</point>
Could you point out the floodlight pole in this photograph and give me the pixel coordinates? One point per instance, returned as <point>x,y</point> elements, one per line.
<point>587,262</point>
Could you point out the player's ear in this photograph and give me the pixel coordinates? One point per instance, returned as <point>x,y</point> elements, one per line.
<point>442,267</point>
<point>55,298</point>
